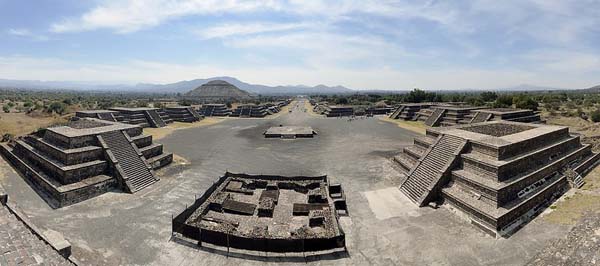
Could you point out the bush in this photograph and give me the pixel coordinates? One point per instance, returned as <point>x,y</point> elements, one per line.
<point>56,107</point>
<point>6,109</point>
<point>595,116</point>
<point>488,96</point>
<point>525,102</point>
<point>503,101</point>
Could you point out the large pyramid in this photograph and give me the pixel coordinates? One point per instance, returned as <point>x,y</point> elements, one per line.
<point>218,90</point>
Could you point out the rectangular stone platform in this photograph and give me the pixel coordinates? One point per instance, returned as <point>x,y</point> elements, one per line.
<point>274,217</point>
<point>290,132</point>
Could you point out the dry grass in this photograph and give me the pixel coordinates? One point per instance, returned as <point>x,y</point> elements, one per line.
<point>178,160</point>
<point>284,110</point>
<point>589,130</point>
<point>571,207</point>
<point>415,126</point>
<point>309,109</point>
<point>21,123</point>
<point>159,133</point>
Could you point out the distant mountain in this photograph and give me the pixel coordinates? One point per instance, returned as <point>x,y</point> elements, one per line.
<point>528,87</point>
<point>595,89</point>
<point>218,89</point>
<point>178,87</point>
<point>185,86</point>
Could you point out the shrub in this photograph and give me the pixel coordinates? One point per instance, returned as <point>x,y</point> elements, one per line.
<point>503,101</point>
<point>595,116</point>
<point>56,107</point>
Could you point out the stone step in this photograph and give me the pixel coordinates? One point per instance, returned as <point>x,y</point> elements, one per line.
<point>427,174</point>
<point>415,151</point>
<point>135,170</point>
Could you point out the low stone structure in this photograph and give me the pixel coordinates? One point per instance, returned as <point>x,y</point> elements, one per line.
<point>409,111</point>
<point>446,115</point>
<point>86,158</point>
<point>108,115</point>
<point>449,114</point>
<point>143,116</point>
<point>290,132</point>
<point>507,114</point>
<point>338,111</point>
<point>499,173</point>
<point>266,213</point>
<point>182,114</point>
<point>214,109</point>
<point>250,110</point>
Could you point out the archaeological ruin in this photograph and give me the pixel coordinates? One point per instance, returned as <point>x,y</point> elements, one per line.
<point>250,110</point>
<point>446,114</point>
<point>498,173</point>
<point>143,116</point>
<point>338,111</point>
<point>214,109</point>
<point>185,114</point>
<point>267,213</point>
<point>85,158</point>
<point>290,132</point>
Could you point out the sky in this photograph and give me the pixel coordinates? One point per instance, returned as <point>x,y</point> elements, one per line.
<point>362,44</point>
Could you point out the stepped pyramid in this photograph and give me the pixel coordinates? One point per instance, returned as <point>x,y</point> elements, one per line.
<point>499,173</point>
<point>87,157</point>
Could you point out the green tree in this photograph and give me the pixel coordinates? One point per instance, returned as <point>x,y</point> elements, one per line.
<point>488,96</point>
<point>419,96</point>
<point>525,102</point>
<point>56,107</point>
<point>595,116</point>
<point>503,101</point>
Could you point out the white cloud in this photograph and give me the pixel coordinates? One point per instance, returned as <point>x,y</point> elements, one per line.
<point>25,33</point>
<point>20,67</point>
<point>236,29</point>
<point>318,49</point>
<point>133,15</point>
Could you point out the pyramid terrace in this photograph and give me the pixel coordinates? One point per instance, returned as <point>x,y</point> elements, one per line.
<point>86,158</point>
<point>498,173</point>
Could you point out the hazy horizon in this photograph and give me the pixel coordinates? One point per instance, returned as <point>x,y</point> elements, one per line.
<point>356,44</point>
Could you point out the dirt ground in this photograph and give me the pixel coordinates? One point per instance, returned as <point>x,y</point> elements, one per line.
<point>589,130</point>
<point>159,133</point>
<point>576,203</point>
<point>20,123</point>
<point>415,126</point>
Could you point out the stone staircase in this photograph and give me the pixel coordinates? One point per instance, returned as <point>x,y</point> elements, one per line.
<point>435,163</point>
<point>397,113</point>
<point>575,179</point>
<point>154,118</point>
<point>481,117</point>
<point>135,172</point>
<point>107,117</point>
<point>194,113</point>
<point>434,119</point>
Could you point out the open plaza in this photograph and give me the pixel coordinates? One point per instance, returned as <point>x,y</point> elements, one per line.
<point>227,193</point>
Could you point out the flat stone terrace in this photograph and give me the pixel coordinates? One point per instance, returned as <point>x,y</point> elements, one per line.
<point>133,109</point>
<point>383,228</point>
<point>500,134</point>
<point>290,131</point>
<point>20,246</point>
<point>504,111</point>
<point>90,126</point>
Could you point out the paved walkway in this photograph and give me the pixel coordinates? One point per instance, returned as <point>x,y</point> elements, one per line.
<point>19,246</point>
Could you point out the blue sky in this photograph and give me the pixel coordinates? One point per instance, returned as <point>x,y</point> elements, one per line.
<point>359,44</point>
